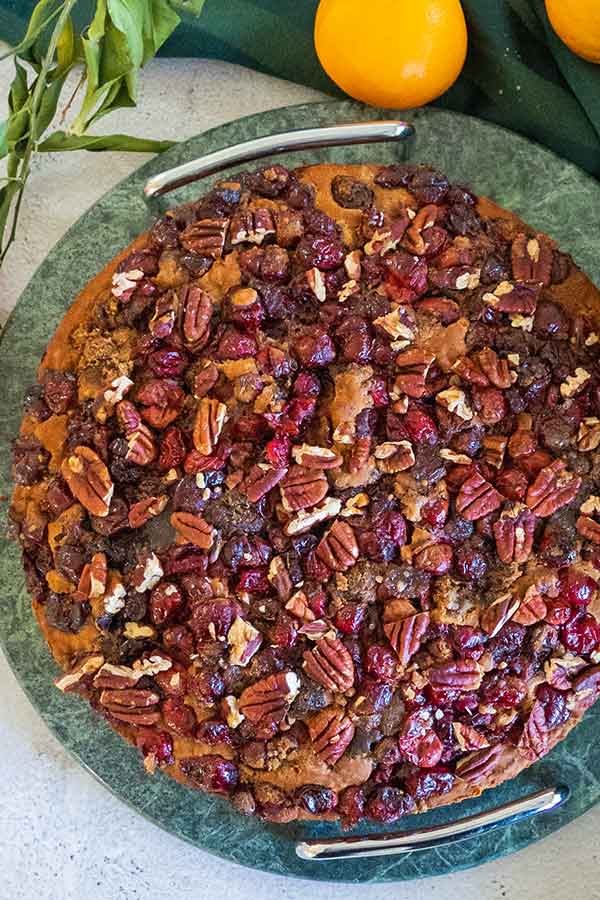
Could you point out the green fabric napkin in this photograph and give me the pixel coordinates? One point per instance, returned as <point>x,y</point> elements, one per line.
<point>518,73</point>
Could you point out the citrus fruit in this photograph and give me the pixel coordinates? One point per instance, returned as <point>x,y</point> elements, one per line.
<point>577,23</point>
<point>392,53</point>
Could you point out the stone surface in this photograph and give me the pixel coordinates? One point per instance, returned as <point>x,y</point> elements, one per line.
<point>64,835</point>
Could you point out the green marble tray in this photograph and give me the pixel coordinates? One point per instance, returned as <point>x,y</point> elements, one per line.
<point>546,191</point>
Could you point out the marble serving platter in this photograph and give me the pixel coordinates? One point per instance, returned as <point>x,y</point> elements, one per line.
<point>553,195</point>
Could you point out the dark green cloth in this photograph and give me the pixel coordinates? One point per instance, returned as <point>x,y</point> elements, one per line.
<point>518,73</point>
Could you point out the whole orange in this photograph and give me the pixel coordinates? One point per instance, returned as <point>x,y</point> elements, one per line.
<point>394,53</point>
<point>577,23</point>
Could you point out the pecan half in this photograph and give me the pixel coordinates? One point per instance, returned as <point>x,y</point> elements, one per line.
<point>338,548</point>
<point>478,766</point>
<point>494,368</point>
<point>192,529</point>
<point>461,675</point>
<point>553,488</point>
<point>514,532</point>
<point>128,416</point>
<point>589,529</point>
<point>141,448</point>
<point>251,226</point>
<point>468,737</point>
<point>494,448</point>
<point>304,520</point>
<point>477,497</point>
<point>80,673</point>
<point>311,457</point>
<point>588,436</point>
<point>331,731</point>
<point>495,616</point>
<point>406,635</point>
<point>92,581</point>
<point>302,488</point>
<point>394,456</point>
<point>134,706</point>
<point>89,480</point>
<point>532,258</point>
<point>196,309</point>
<point>144,510</point>
<point>534,741</point>
<point>260,480</point>
<point>455,401</point>
<point>531,610</point>
<point>329,664</point>
<point>205,237</point>
<point>267,701</point>
<point>414,365</point>
<point>210,418</point>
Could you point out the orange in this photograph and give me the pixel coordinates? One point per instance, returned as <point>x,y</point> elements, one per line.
<point>577,23</point>
<point>393,53</point>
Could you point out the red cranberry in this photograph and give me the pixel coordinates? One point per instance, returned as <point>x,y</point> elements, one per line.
<point>207,686</point>
<point>167,363</point>
<point>314,568</point>
<point>165,600</point>
<point>349,618</point>
<point>213,618</point>
<point>408,272</point>
<point>558,611</point>
<point>307,385</point>
<point>277,451</point>
<point>172,682</point>
<point>211,773</point>
<point>422,785</point>
<point>59,390</point>
<point>236,345</point>
<point>379,392</point>
<point>180,560</point>
<point>284,632</point>
<point>576,587</point>
<point>418,742</point>
<point>435,513</point>
<point>213,731</point>
<point>420,427</point>
<point>381,662</point>
<point>554,704</point>
<point>156,744</point>
<point>506,692</point>
<point>314,348</point>
<point>320,252</point>
<point>250,316</point>
<point>317,799</point>
<point>387,804</point>
<point>508,642</point>
<point>179,717</point>
<point>172,449</point>
<point>468,642</point>
<point>179,642</point>
<point>317,600</point>
<point>470,563</point>
<point>581,635</point>
<point>254,581</point>
<point>354,339</point>
<point>351,806</point>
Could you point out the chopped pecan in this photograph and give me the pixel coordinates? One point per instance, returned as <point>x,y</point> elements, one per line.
<point>514,532</point>
<point>588,436</point>
<point>89,480</point>
<point>134,706</point>
<point>331,731</point>
<point>531,610</point>
<point>477,497</point>
<point>162,323</point>
<point>534,741</point>
<point>251,226</point>
<point>573,384</point>
<point>128,417</point>
<point>205,380</point>
<point>478,766</point>
<point>80,673</point>
<point>455,401</point>
<point>589,529</point>
<point>394,456</point>
<point>316,282</point>
<point>532,258</point>
<point>147,573</point>
<point>329,664</point>
<point>244,640</point>
<point>210,418</point>
<point>304,520</point>
<point>267,701</point>
<point>279,577</point>
<point>205,237</point>
<point>494,448</point>
<point>494,368</point>
<point>469,371</point>
<point>514,299</point>
<point>359,455</point>
<point>311,457</point>
<point>522,443</point>
<point>260,480</point>
<point>413,238</point>
<point>92,581</point>
<point>338,548</point>
<point>406,635</point>
<point>192,529</point>
<point>144,510</point>
<point>302,488</point>
<point>196,309</point>
<point>553,488</point>
<point>414,364</point>
<point>468,737</point>
<point>460,675</point>
<point>141,448</point>
<point>495,616</point>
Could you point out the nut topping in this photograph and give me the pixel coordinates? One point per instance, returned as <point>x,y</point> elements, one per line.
<point>331,731</point>
<point>192,529</point>
<point>205,237</point>
<point>311,457</point>
<point>406,635</point>
<point>553,488</point>
<point>210,418</point>
<point>394,456</point>
<point>477,497</point>
<point>302,488</point>
<point>267,701</point>
<point>338,548</point>
<point>329,664</point>
<point>414,365</point>
<point>89,480</point>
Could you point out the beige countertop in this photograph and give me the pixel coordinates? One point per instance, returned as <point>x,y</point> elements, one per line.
<point>62,835</point>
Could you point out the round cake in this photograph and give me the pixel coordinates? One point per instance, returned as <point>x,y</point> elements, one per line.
<point>308,493</point>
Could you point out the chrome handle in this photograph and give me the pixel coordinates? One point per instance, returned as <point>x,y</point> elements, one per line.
<point>437,836</point>
<point>300,139</point>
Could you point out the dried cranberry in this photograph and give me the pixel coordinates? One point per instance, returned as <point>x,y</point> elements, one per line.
<point>213,731</point>
<point>470,563</point>
<point>508,642</point>
<point>504,691</point>
<point>349,618</point>
<point>307,385</point>
<point>468,642</point>
<point>284,632</point>
<point>351,805</point>
<point>211,773</point>
<point>381,663</point>
<point>58,496</point>
<point>277,451</point>
<point>317,799</point>
<point>354,339</point>
<point>248,316</point>
<point>207,686</point>
<point>576,587</point>
<point>581,635</point>
<point>179,717</point>
<point>29,460</point>
<point>418,742</point>
<point>558,611</point>
<point>64,613</point>
<point>314,348</point>
<point>155,744</point>
<point>59,390</point>
<point>165,601</point>
<point>420,427</point>
<point>320,252</point>
<point>407,276</point>
<point>387,804</point>
<point>172,449</point>
<point>236,344</point>
<point>212,619</point>
<point>167,363</point>
<point>179,642</point>
<point>422,785</point>
<point>254,581</point>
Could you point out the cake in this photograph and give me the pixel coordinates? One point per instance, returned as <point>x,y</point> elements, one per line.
<point>307,492</point>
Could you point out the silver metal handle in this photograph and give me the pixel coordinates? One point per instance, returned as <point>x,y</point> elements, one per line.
<point>299,139</point>
<point>426,838</point>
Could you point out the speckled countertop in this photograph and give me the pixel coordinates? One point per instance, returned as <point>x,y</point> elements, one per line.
<point>62,835</point>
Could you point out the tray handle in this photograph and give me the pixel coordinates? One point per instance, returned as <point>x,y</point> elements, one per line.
<point>299,139</point>
<point>437,836</point>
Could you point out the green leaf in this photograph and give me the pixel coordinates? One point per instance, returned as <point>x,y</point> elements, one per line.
<point>19,92</point>
<point>43,14</point>
<point>3,139</point>
<point>48,106</point>
<point>18,127</point>
<point>60,140</point>
<point>65,47</point>
<point>128,19</point>
<point>159,23</point>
